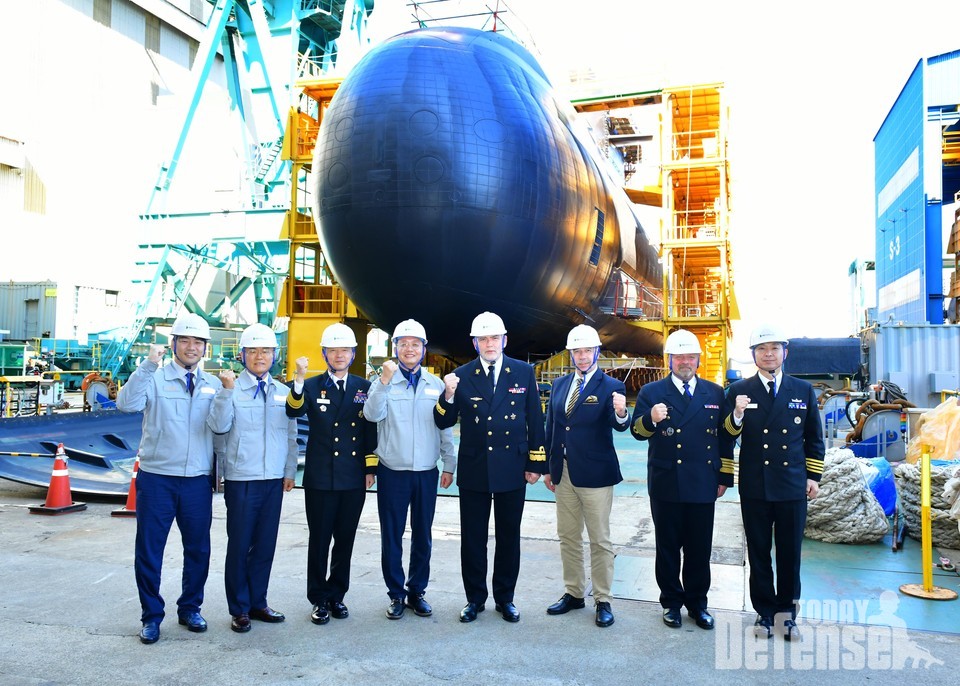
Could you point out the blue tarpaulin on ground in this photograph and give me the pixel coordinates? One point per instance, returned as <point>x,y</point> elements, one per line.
<point>823,356</point>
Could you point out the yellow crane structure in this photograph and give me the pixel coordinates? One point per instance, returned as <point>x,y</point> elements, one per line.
<point>693,192</point>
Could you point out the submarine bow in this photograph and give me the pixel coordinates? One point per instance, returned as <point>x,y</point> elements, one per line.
<point>449,180</point>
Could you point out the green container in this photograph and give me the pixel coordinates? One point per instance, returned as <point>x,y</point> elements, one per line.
<point>12,359</point>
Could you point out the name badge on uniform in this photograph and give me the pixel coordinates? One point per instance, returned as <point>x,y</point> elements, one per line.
<point>207,390</point>
<point>279,398</point>
<point>711,407</point>
<point>751,406</point>
<point>431,392</point>
<point>323,401</point>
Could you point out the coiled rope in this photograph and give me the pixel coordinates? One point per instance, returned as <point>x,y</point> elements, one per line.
<point>944,530</point>
<point>846,510</point>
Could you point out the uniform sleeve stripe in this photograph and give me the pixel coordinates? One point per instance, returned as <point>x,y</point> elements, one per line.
<point>439,408</point>
<point>538,455</point>
<point>814,465</point>
<point>295,403</point>
<point>732,428</point>
<point>639,428</point>
<point>372,460</point>
<point>726,465</point>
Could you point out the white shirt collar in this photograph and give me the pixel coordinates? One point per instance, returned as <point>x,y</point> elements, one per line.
<point>692,383</point>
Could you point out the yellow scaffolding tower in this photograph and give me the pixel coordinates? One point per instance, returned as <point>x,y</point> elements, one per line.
<point>311,299</point>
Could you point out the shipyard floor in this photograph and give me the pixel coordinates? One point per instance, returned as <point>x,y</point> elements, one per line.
<point>69,610</point>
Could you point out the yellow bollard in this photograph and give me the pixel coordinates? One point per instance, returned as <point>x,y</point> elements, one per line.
<point>927,589</point>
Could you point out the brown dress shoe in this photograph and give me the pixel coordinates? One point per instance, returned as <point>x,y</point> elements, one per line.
<point>241,623</point>
<point>267,614</point>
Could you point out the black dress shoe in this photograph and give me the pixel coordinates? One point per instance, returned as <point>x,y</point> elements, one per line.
<point>790,631</point>
<point>150,633</point>
<point>338,610</point>
<point>268,615</point>
<point>420,607</point>
<point>763,627</point>
<point>470,611</point>
<point>320,615</point>
<point>508,611</point>
<point>702,618</point>
<point>604,614</point>
<point>240,623</point>
<point>566,603</point>
<point>671,617</point>
<point>194,622</point>
<point>395,611</point>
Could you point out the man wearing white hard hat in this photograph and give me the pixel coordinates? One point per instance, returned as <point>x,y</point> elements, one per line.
<point>341,465</point>
<point>258,465</point>
<point>781,462</point>
<point>586,407</point>
<point>497,401</point>
<point>689,466</point>
<point>408,447</point>
<point>175,479</point>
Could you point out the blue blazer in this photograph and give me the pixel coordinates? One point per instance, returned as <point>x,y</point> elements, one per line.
<point>585,438</point>
<point>781,441</point>
<point>501,434</point>
<point>691,451</point>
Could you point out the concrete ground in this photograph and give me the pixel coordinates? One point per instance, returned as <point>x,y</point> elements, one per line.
<point>69,614</point>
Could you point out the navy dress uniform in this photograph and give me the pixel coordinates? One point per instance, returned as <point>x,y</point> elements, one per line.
<point>501,438</point>
<point>781,447</point>
<point>690,456</point>
<point>340,453</point>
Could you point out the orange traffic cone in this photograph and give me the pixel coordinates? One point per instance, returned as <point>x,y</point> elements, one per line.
<point>59,500</point>
<point>130,509</point>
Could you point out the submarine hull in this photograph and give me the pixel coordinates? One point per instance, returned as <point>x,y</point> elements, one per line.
<point>450,180</point>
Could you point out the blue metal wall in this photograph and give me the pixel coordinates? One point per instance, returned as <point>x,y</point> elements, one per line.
<point>900,209</point>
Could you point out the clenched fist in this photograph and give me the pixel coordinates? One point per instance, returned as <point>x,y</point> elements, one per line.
<point>620,404</point>
<point>389,369</point>
<point>741,404</point>
<point>156,353</point>
<point>658,413</point>
<point>302,364</point>
<point>451,381</point>
<point>227,378</point>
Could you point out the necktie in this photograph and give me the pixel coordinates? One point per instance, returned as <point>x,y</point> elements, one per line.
<point>490,378</point>
<point>340,387</point>
<point>773,388</point>
<point>686,390</point>
<point>574,395</point>
<point>189,383</point>
<point>261,389</point>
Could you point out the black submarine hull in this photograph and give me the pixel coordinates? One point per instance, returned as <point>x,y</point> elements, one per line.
<point>450,180</point>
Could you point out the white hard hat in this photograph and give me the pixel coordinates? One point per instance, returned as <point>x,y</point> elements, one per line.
<point>767,333</point>
<point>487,324</point>
<point>190,324</point>
<point>682,342</point>
<point>410,327</point>
<point>583,336</point>
<point>258,336</point>
<point>338,336</point>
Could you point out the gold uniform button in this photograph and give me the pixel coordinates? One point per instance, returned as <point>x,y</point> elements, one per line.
<point>336,439</point>
<point>489,419</point>
<point>354,438</point>
<point>490,448</point>
<point>786,464</point>
<point>679,430</point>
<point>513,402</point>
<point>489,433</point>
<point>568,428</point>
<point>474,406</point>
<point>766,462</point>
<point>679,446</point>
<point>784,431</point>
<point>353,423</point>
<point>506,433</point>
<point>336,424</point>
<point>507,447</point>
<point>765,446</point>
<point>765,431</point>
<point>506,416</point>
<point>784,447</point>
<point>335,453</point>
<point>679,461</point>
<point>354,453</point>
<point>709,461</point>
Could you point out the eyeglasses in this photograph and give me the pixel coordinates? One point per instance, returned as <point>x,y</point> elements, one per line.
<point>409,346</point>
<point>258,352</point>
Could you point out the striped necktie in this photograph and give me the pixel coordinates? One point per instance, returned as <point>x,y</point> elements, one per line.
<point>574,396</point>
<point>189,383</point>
<point>686,390</point>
